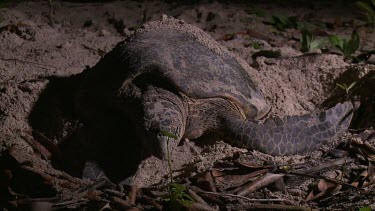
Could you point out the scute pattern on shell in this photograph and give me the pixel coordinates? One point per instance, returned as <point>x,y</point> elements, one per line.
<point>194,63</point>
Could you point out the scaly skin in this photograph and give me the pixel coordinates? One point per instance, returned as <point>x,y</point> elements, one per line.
<point>293,134</point>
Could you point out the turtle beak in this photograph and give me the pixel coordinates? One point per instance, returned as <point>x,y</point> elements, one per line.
<point>253,113</point>
<point>263,112</point>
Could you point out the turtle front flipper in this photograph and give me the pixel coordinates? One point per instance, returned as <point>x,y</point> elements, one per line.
<point>164,119</point>
<point>294,134</point>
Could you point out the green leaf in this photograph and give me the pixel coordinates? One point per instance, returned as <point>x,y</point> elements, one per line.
<point>352,85</point>
<point>256,11</point>
<point>166,197</point>
<point>317,44</point>
<point>178,188</point>
<point>347,47</point>
<point>336,41</point>
<point>365,209</point>
<point>364,7</point>
<point>342,86</point>
<point>168,134</point>
<point>177,194</point>
<point>306,41</point>
<point>282,22</point>
<point>255,45</point>
<point>352,45</point>
<point>309,43</point>
<point>260,13</point>
<point>367,11</point>
<point>345,87</point>
<point>186,203</point>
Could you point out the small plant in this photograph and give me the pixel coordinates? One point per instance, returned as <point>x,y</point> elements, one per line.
<point>246,20</point>
<point>345,87</point>
<point>367,10</point>
<point>3,3</point>
<point>256,45</point>
<point>347,47</point>
<point>365,209</point>
<point>282,22</point>
<point>169,135</point>
<point>257,12</point>
<point>177,198</point>
<point>310,43</point>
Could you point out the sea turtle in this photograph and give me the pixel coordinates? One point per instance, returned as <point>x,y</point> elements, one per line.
<point>172,78</point>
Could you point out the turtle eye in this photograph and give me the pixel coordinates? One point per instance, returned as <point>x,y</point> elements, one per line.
<point>251,111</point>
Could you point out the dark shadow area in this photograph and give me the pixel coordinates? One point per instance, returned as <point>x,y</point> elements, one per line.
<point>90,128</point>
<point>362,92</point>
<point>20,179</point>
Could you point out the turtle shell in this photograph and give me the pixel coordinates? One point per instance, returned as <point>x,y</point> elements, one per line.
<point>192,68</point>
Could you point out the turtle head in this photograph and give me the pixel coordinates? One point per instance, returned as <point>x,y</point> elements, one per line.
<point>257,107</point>
<point>256,113</point>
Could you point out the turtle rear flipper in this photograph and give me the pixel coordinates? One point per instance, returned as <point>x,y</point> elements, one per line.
<point>294,134</point>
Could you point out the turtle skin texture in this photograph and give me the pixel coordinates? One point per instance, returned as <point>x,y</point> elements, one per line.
<point>173,81</point>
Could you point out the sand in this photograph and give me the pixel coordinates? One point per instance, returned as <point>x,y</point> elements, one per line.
<point>39,43</point>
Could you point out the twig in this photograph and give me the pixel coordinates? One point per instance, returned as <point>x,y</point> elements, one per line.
<point>100,52</point>
<point>97,184</point>
<point>210,179</point>
<point>59,175</point>
<point>325,178</point>
<point>197,198</point>
<point>56,178</point>
<point>44,66</point>
<point>201,207</point>
<point>45,176</point>
<point>364,145</point>
<point>51,12</point>
<point>80,195</point>
<point>121,202</point>
<point>114,193</point>
<point>251,175</point>
<point>37,147</point>
<point>133,194</point>
<point>32,200</point>
<point>243,197</point>
<point>66,176</point>
<point>275,207</point>
<point>44,141</point>
<point>69,203</point>
<point>152,202</point>
<point>325,166</point>
<point>262,181</point>
<point>144,18</point>
<point>169,162</point>
<point>209,197</point>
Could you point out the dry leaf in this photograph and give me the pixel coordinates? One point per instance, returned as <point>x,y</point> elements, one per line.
<point>371,174</point>
<point>310,196</point>
<point>322,185</point>
<point>254,165</point>
<point>261,182</point>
